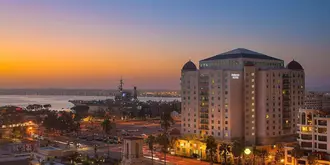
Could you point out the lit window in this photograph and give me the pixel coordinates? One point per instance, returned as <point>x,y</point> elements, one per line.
<point>252,116</point>
<point>252,92</point>
<point>252,80</point>
<point>252,74</point>
<point>252,122</point>
<point>252,98</point>
<point>267,116</point>
<point>212,81</point>
<point>252,86</point>
<point>252,133</point>
<point>252,110</point>
<point>226,134</point>
<point>252,127</point>
<point>286,121</point>
<point>252,104</point>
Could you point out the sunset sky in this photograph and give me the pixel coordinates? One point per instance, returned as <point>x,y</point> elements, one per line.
<point>92,43</point>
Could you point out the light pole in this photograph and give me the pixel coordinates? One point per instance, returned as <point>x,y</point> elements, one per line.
<point>247,152</point>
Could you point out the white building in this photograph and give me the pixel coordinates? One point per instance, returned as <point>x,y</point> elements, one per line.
<point>242,94</point>
<point>313,137</point>
<point>313,134</point>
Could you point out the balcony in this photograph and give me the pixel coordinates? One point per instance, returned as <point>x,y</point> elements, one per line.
<point>305,130</point>
<point>203,127</point>
<point>322,138</point>
<point>306,145</point>
<point>322,131</point>
<point>322,123</point>
<point>204,110</point>
<point>204,116</point>
<point>204,122</point>
<point>306,137</point>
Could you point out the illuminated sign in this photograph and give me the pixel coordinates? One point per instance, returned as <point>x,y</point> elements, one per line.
<point>235,76</point>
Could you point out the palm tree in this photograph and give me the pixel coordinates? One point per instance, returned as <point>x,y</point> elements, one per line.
<point>223,150</point>
<point>163,140</point>
<point>211,147</point>
<point>106,126</point>
<point>297,152</point>
<point>151,140</point>
<point>237,150</point>
<point>312,159</point>
<point>166,121</point>
<point>95,150</point>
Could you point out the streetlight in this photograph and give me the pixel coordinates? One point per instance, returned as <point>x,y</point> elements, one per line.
<point>282,160</point>
<point>247,151</point>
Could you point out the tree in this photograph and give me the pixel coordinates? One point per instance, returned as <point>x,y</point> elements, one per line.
<point>163,140</point>
<point>223,150</point>
<point>151,140</point>
<point>211,147</point>
<point>166,121</point>
<point>237,150</point>
<point>312,159</point>
<point>106,126</point>
<point>95,150</point>
<point>297,152</point>
<point>47,106</point>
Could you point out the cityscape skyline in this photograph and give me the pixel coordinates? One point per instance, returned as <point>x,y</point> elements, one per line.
<point>92,44</point>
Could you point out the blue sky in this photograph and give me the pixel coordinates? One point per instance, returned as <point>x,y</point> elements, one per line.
<point>175,31</point>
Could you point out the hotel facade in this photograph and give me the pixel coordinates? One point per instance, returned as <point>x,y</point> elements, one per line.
<point>242,94</point>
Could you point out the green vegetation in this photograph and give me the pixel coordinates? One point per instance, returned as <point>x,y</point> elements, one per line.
<point>211,147</point>
<point>150,141</point>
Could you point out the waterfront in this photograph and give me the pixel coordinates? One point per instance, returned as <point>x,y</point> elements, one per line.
<point>59,102</point>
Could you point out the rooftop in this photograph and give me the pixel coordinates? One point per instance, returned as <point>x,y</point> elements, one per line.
<point>241,53</point>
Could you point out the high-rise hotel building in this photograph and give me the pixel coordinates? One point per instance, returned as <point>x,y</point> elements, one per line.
<point>242,94</point>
